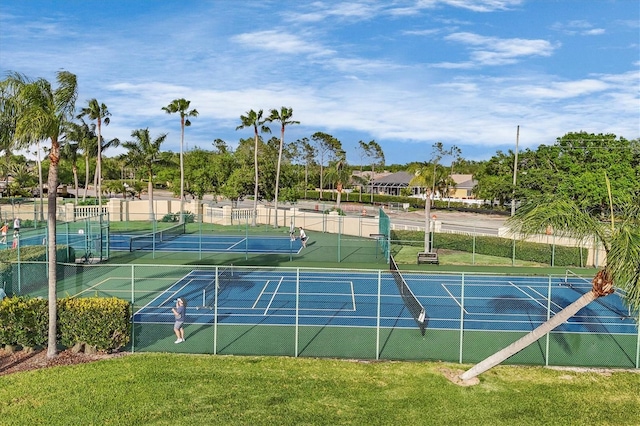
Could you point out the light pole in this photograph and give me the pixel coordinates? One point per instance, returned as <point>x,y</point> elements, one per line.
<point>515,171</point>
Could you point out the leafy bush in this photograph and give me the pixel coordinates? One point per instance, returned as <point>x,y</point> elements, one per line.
<point>24,321</point>
<point>496,246</point>
<point>175,217</point>
<point>103,323</point>
<point>100,322</point>
<point>33,274</point>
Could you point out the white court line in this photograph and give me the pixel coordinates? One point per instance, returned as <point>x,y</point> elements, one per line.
<point>236,244</point>
<point>454,298</point>
<point>264,288</point>
<point>528,295</point>
<point>273,296</point>
<point>160,295</point>
<point>92,287</point>
<point>544,297</point>
<point>353,295</point>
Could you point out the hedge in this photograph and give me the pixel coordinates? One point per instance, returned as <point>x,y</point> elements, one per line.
<point>496,246</point>
<point>103,323</point>
<point>32,270</point>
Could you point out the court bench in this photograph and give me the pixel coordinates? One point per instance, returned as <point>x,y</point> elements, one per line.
<point>424,257</point>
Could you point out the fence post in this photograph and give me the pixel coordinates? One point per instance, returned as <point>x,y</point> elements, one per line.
<point>378,315</point>
<point>461,355</point>
<point>297,336</point>
<point>546,350</point>
<point>133,297</point>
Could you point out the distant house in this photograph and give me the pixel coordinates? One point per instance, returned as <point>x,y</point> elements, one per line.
<point>392,183</point>
<point>464,186</point>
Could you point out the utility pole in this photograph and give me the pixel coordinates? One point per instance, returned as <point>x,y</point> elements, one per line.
<point>515,171</point>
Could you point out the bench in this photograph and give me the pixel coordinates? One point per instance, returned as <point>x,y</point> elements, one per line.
<point>424,257</point>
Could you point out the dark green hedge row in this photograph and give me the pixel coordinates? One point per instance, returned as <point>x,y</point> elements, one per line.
<point>496,246</point>
<point>33,275</point>
<point>103,323</point>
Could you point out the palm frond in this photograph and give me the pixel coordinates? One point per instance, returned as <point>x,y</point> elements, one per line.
<point>562,217</point>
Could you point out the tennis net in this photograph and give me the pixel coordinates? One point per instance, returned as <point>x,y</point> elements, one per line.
<point>141,242</point>
<point>410,300</point>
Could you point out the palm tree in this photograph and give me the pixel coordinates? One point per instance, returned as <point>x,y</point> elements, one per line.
<point>43,112</point>
<point>181,105</point>
<point>8,119</point>
<point>620,238</point>
<point>144,154</point>
<point>255,120</point>
<point>75,133</point>
<point>85,136</point>
<point>284,118</point>
<point>339,174</point>
<point>101,114</point>
<point>309,153</point>
<point>422,177</point>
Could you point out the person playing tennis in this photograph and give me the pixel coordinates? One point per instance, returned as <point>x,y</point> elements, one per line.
<point>292,232</point>
<point>303,237</point>
<point>179,312</point>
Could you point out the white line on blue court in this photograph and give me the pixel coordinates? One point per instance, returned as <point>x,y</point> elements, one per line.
<point>264,288</point>
<point>531,297</point>
<point>232,246</point>
<point>173,294</point>
<point>273,296</point>
<point>444,286</point>
<point>545,297</point>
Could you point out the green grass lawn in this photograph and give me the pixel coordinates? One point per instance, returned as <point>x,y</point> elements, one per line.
<point>204,389</point>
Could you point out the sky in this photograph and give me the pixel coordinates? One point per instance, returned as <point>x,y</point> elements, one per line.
<point>405,73</point>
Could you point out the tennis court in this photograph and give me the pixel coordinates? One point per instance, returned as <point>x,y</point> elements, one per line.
<point>353,313</point>
<point>503,303</point>
<point>204,243</point>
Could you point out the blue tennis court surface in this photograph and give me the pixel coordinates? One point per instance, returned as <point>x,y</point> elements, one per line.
<point>208,243</point>
<point>361,299</point>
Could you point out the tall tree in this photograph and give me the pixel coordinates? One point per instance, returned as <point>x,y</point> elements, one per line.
<point>8,119</point>
<point>309,153</point>
<point>181,106</point>
<point>339,174</point>
<point>42,115</point>
<point>284,118</point>
<point>422,177</point>
<point>325,145</point>
<point>100,113</point>
<point>619,234</point>
<point>75,135</point>
<point>373,151</point>
<point>255,120</point>
<point>144,154</point>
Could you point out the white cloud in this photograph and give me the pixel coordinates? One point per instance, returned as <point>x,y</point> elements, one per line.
<point>279,41</point>
<point>499,51</point>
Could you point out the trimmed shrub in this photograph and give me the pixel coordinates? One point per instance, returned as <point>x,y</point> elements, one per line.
<point>24,321</point>
<point>496,246</point>
<point>99,322</point>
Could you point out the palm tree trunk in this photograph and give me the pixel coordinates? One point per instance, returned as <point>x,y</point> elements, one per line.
<point>75,181</point>
<point>152,216</point>
<point>500,356</point>
<point>86,177</point>
<point>275,225</point>
<point>52,347</point>
<point>181,169</point>
<point>255,184</point>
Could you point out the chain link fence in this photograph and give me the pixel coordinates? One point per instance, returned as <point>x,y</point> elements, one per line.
<point>350,313</point>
